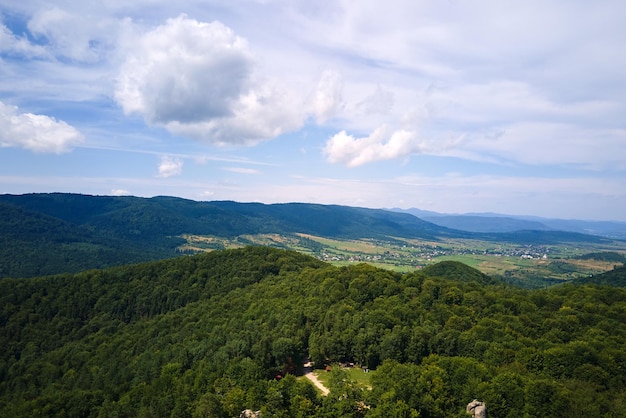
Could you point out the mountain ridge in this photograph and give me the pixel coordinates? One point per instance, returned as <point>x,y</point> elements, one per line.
<point>86,231</point>
<point>487,222</point>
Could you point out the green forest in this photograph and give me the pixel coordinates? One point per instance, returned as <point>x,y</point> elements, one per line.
<point>52,233</point>
<point>212,334</point>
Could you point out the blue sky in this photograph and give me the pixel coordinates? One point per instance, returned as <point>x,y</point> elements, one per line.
<point>454,106</point>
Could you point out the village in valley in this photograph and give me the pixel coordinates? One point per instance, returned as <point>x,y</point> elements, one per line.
<point>511,261</point>
<point>423,255</point>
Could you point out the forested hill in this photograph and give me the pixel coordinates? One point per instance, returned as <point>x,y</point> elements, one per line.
<point>34,243</point>
<point>615,277</point>
<point>52,233</point>
<point>144,219</point>
<point>57,232</point>
<point>207,335</point>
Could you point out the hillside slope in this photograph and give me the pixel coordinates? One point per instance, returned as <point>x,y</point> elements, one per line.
<point>33,244</point>
<point>615,277</point>
<point>57,232</point>
<point>207,335</point>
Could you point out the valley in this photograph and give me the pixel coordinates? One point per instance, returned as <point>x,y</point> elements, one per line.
<point>42,234</point>
<point>531,265</point>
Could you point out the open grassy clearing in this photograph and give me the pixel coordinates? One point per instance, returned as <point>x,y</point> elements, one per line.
<point>355,374</point>
<point>351,246</point>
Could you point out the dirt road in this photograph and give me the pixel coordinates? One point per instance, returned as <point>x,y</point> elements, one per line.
<point>309,375</point>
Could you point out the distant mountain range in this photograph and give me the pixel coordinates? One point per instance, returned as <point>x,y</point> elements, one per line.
<point>51,233</point>
<point>493,222</point>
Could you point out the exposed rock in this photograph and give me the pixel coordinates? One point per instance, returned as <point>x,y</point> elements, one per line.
<point>477,409</point>
<point>248,413</point>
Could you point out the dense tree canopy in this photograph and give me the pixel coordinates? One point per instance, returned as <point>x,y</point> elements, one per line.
<point>206,336</point>
<point>51,233</point>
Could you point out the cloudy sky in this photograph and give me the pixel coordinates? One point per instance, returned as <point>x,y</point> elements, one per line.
<point>515,107</point>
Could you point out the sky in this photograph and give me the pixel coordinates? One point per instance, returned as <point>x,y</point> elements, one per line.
<point>515,107</point>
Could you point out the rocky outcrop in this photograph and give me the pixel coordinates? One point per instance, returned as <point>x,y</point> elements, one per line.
<point>248,413</point>
<point>477,409</point>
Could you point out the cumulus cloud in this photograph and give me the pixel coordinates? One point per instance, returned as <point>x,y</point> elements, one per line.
<point>498,122</point>
<point>328,101</point>
<point>37,133</point>
<point>552,74</point>
<point>120,192</point>
<point>170,166</point>
<point>260,114</point>
<point>185,71</point>
<point>542,76</point>
<point>379,145</point>
<point>197,79</point>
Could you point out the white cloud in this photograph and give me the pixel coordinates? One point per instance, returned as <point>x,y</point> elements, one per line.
<point>549,143</point>
<point>80,37</point>
<point>380,102</point>
<point>37,133</point>
<point>205,194</point>
<point>120,192</point>
<point>520,84</point>
<point>328,101</point>
<point>242,170</point>
<point>170,166</point>
<point>500,121</point>
<point>441,65</point>
<point>379,145</point>
<point>468,70</point>
<point>185,71</point>
<point>260,114</point>
<point>197,79</point>
<point>12,44</point>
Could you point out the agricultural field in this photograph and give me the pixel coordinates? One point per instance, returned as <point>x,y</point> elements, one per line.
<point>524,265</point>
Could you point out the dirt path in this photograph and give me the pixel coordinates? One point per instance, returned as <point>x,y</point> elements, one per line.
<point>309,375</point>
